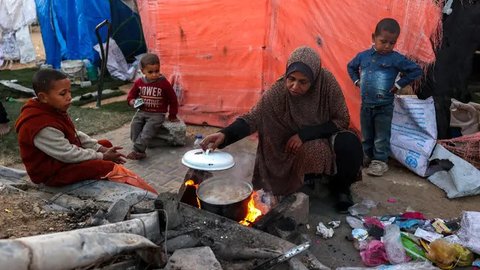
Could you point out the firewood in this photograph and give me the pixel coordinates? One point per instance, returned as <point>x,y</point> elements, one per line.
<point>231,253</point>
<point>274,213</point>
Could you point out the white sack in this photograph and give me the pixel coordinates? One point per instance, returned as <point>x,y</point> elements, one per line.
<point>414,132</point>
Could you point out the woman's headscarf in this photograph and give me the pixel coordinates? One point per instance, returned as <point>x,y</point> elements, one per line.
<point>279,115</point>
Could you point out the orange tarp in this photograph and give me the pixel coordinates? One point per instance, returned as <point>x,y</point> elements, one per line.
<point>224,54</point>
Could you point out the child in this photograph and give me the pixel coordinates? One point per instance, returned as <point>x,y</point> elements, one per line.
<point>375,71</point>
<point>155,95</point>
<point>4,126</point>
<point>53,151</point>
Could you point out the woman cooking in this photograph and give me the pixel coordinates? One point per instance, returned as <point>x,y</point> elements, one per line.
<point>302,123</point>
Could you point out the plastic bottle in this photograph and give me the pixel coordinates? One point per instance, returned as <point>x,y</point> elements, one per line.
<point>393,245</point>
<point>198,140</point>
<point>10,99</point>
<point>91,70</point>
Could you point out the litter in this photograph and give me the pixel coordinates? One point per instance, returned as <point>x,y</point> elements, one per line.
<point>324,231</point>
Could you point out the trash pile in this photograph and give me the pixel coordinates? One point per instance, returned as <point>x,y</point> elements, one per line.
<point>411,241</point>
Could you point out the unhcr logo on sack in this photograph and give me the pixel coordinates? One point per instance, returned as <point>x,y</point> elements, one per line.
<point>411,161</point>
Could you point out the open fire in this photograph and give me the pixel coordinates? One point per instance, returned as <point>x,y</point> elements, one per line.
<point>191,198</point>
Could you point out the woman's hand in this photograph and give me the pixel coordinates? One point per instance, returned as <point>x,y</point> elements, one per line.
<point>112,155</point>
<point>212,141</point>
<point>293,144</point>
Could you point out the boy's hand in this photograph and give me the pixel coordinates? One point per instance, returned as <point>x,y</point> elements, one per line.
<point>131,102</point>
<point>394,89</point>
<point>112,155</point>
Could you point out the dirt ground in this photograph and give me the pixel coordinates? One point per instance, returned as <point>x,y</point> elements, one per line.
<point>22,215</point>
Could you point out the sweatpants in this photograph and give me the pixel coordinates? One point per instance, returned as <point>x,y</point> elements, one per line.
<point>143,128</point>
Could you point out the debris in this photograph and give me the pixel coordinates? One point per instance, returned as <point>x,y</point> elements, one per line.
<point>324,231</point>
<point>440,226</point>
<point>362,208</point>
<point>391,200</point>
<point>334,224</point>
<point>426,235</point>
<point>354,222</point>
<point>13,85</point>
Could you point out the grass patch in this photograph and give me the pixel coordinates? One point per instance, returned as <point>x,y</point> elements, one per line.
<point>24,78</point>
<point>91,121</point>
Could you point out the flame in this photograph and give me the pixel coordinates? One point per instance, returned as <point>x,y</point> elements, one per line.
<point>253,213</point>
<point>190,182</point>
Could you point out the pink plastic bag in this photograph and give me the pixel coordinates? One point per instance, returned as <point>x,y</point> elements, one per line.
<point>374,254</point>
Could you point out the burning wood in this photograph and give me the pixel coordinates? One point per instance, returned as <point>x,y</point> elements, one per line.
<point>253,213</point>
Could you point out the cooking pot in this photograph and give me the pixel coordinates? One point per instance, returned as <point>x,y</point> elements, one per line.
<point>228,198</point>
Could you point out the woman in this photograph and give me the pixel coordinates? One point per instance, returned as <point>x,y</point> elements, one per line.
<point>302,126</point>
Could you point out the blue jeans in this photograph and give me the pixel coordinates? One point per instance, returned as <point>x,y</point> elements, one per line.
<point>376,122</point>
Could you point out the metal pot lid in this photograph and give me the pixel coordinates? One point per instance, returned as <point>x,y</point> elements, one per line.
<point>208,160</point>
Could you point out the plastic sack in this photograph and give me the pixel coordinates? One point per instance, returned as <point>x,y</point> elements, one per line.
<point>25,45</point>
<point>414,132</point>
<point>448,255</point>
<point>116,64</point>
<point>469,232</point>
<point>374,254</point>
<point>403,266</point>
<point>393,245</point>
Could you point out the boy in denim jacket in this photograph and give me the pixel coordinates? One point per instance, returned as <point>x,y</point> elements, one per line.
<point>375,71</point>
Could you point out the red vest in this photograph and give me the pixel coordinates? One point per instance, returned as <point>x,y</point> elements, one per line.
<point>34,117</point>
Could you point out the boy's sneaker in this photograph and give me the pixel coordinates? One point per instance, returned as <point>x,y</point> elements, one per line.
<point>377,168</point>
<point>136,155</point>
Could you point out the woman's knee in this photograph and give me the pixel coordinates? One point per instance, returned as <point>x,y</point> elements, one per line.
<point>347,143</point>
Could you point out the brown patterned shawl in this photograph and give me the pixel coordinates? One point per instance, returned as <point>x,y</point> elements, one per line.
<point>278,116</point>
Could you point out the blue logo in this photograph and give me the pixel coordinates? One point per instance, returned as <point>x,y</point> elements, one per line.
<point>411,161</point>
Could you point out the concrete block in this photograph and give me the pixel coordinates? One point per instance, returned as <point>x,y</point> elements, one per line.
<point>299,210</point>
<point>172,133</point>
<point>201,258</point>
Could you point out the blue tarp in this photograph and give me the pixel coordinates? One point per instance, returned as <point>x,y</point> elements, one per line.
<point>68,28</point>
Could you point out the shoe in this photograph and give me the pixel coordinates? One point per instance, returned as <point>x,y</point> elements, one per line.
<point>4,129</point>
<point>344,201</point>
<point>134,155</point>
<point>377,168</point>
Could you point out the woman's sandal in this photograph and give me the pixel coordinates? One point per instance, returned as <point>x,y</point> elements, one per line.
<point>136,155</point>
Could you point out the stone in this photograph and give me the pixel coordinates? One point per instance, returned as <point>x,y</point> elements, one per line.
<point>171,133</point>
<point>201,258</point>
<point>299,210</point>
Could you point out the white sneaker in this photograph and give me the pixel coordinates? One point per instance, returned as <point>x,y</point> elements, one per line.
<point>377,168</point>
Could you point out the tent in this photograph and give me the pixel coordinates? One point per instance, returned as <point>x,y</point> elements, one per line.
<point>223,54</point>
<point>68,28</point>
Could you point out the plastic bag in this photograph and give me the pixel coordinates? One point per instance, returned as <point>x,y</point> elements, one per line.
<point>362,208</point>
<point>448,255</point>
<point>393,245</point>
<point>374,254</point>
<point>469,232</point>
<point>116,64</point>
<point>403,266</point>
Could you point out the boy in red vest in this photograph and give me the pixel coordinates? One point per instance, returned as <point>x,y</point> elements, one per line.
<point>157,97</point>
<point>53,151</point>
